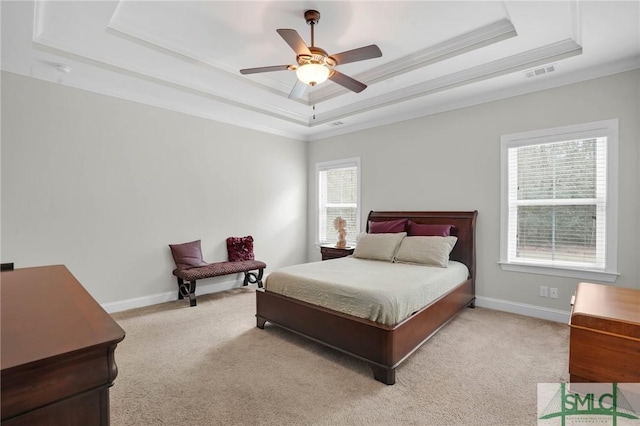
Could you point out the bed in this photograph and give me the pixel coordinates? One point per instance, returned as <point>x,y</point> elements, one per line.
<point>383,347</point>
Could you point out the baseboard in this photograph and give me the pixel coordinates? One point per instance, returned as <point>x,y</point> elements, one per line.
<point>523,309</point>
<point>482,302</point>
<point>140,302</point>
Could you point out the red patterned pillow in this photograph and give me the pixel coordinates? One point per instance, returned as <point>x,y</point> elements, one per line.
<point>240,248</point>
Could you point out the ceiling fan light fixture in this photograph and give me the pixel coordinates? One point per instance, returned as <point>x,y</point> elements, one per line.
<point>312,74</point>
<point>314,65</point>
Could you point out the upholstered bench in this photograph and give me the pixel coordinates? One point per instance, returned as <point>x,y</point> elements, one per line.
<point>216,270</point>
<point>190,266</point>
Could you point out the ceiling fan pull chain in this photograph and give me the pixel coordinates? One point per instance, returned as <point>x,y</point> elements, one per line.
<point>314,109</point>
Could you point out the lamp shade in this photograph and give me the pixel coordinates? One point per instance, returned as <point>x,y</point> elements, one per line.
<point>312,74</point>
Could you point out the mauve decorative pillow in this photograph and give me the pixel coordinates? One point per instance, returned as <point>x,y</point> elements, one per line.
<point>187,255</point>
<point>420,230</point>
<point>388,227</point>
<point>240,248</point>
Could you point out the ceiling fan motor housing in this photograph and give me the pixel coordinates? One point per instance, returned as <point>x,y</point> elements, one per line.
<point>318,56</point>
<point>311,16</point>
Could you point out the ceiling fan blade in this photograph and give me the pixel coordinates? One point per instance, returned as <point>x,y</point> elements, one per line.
<point>264,69</point>
<point>294,40</point>
<point>298,90</point>
<point>359,54</point>
<point>348,82</point>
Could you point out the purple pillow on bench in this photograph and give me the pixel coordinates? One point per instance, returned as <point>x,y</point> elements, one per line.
<point>388,227</point>
<point>187,255</point>
<point>422,230</point>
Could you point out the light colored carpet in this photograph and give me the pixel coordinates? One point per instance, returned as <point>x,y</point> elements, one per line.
<point>210,365</point>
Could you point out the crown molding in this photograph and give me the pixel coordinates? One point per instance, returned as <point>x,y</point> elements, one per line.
<point>541,55</point>
<point>499,67</point>
<point>182,52</point>
<point>484,36</point>
<point>191,57</point>
<point>295,121</point>
<point>267,109</point>
<point>629,64</point>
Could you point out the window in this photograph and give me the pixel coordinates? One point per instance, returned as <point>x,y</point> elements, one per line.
<point>338,184</point>
<point>559,201</point>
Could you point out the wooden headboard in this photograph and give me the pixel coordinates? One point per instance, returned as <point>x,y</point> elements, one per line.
<point>464,227</point>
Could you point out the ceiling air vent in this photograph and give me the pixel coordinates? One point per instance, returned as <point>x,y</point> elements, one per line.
<point>337,123</point>
<point>540,71</point>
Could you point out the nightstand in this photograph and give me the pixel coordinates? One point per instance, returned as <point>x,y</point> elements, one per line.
<point>332,252</point>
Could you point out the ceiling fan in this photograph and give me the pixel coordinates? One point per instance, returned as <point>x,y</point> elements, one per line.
<point>314,65</point>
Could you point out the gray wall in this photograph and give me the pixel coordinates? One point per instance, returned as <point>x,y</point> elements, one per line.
<point>102,185</point>
<point>451,161</point>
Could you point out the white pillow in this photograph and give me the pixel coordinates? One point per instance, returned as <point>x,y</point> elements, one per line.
<point>378,246</point>
<point>426,250</point>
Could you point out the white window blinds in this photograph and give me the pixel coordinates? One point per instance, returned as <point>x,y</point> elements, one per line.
<point>338,195</point>
<point>560,198</point>
<point>557,200</point>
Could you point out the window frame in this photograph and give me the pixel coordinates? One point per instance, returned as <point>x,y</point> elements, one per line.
<point>337,164</point>
<point>604,128</point>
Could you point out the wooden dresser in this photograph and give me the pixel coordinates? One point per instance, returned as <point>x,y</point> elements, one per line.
<point>57,350</point>
<point>605,334</point>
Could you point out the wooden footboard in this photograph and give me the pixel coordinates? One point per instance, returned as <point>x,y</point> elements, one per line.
<point>383,347</point>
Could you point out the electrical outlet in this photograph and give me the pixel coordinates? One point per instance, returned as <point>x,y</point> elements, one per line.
<point>544,291</point>
<point>553,293</point>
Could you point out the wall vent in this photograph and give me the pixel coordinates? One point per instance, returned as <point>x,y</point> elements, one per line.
<point>540,71</point>
<point>337,123</point>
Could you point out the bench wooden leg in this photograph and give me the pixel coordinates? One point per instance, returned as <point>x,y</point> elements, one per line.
<point>252,278</point>
<point>187,290</point>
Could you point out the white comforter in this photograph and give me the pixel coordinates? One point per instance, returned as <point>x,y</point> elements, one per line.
<point>380,291</point>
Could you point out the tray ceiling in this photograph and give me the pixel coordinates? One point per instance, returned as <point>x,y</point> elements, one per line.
<point>437,55</point>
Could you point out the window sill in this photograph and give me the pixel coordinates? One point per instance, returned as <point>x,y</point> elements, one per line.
<point>582,274</point>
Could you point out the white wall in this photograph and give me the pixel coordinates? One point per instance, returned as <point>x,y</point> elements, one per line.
<point>451,161</point>
<point>102,185</point>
